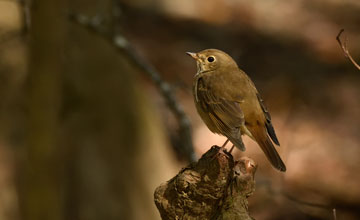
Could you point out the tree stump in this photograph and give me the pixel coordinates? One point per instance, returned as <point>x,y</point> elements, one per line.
<point>216,187</point>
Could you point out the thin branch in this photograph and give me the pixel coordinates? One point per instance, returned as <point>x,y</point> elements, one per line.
<point>302,202</point>
<point>345,49</point>
<point>270,189</point>
<point>123,45</point>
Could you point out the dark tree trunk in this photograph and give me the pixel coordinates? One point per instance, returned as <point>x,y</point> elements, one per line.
<point>41,173</point>
<point>94,148</point>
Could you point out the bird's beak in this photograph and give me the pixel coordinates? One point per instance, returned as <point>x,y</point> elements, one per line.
<point>193,55</point>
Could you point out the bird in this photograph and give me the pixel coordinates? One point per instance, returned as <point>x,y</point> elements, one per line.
<point>230,105</point>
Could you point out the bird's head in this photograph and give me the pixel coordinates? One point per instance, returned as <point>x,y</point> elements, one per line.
<point>212,59</point>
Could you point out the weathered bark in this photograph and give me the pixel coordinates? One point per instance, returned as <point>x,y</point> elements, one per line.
<point>216,187</point>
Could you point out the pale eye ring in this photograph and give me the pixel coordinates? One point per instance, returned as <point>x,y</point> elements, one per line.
<point>211,59</point>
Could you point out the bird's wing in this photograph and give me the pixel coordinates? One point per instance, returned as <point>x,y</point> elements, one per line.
<point>225,114</point>
<point>270,129</point>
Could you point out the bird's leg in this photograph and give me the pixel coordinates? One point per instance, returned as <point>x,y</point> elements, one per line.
<point>223,146</point>
<point>232,148</point>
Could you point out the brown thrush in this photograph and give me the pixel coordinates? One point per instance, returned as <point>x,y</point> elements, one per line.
<point>229,104</point>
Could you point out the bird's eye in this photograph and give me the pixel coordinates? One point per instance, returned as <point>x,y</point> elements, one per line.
<point>211,59</point>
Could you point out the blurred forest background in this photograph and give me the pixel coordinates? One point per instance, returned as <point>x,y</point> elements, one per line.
<point>85,131</point>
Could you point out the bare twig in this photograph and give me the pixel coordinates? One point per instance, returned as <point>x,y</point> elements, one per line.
<point>334,214</point>
<point>123,45</point>
<point>302,202</point>
<point>345,49</point>
<point>270,189</point>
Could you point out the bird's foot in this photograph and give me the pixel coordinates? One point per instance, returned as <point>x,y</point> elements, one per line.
<point>221,151</point>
